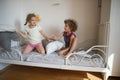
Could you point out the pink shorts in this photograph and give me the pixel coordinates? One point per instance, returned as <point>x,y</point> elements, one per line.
<point>34,45</point>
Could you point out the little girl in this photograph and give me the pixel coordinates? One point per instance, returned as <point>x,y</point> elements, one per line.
<point>69,37</point>
<point>34,35</point>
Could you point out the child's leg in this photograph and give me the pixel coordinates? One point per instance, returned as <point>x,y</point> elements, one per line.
<point>27,49</point>
<point>40,48</point>
<point>63,51</point>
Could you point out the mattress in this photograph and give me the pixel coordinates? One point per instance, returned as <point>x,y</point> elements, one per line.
<point>91,59</point>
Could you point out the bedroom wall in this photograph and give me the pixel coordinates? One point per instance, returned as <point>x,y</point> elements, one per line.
<point>53,13</point>
<point>114,41</point>
<point>10,12</point>
<point>105,18</point>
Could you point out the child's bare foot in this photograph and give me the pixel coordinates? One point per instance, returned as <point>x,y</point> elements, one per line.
<point>61,52</point>
<point>66,55</point>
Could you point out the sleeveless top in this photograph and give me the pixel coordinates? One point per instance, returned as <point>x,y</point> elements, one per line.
<point>67,38</point>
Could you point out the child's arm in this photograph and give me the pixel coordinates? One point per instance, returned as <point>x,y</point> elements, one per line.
<point>73,43</point>
<point>24,35</point>
<point>44,35</point>
<point>57,37</point>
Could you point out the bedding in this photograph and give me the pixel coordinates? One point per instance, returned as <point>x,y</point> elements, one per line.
<point>91,59</point>
<point>53,46</point>
<point>15,44</point>
<point>14,54</point>
<point>5,39</point>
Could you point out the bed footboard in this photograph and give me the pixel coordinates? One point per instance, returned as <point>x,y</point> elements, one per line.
<point>74,54</point>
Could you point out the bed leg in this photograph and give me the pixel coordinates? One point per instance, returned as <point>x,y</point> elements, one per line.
<point>105,76</point>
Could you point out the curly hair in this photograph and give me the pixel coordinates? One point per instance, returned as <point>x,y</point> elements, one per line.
<point>29,16</point>
<point>72,24</point>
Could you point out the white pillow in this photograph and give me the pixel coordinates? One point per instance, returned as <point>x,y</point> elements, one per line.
<point>53,46</point>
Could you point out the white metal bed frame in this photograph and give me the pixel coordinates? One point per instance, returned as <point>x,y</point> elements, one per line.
<point>105,70</point>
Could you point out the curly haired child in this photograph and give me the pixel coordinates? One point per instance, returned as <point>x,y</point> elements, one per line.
<point>69,37</point>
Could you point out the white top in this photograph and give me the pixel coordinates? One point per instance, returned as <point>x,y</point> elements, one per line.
<point>34,35</point>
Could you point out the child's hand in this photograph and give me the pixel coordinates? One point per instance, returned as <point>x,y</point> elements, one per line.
<point>17,31</point>
<point>66,55</point>
<point>50,40</point>
<point>53,37</point>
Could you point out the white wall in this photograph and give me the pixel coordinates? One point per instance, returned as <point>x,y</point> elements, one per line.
<point>114,42</point>
<point>104,18</point>
<point>10,12</point>
<point>105,11</point>
<point>85,12</point>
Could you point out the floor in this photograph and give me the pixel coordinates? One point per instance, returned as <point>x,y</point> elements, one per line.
<point>15,72</point>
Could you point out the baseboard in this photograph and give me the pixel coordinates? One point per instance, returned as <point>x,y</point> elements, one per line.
<point>117,74</point>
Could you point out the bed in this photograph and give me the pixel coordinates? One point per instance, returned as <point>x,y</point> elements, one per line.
<point>80,60</point>
<point>93,59</point>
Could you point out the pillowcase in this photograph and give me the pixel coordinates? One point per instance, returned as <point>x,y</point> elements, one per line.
<point>53,46</point>
<point>14,36</point>
<point>5,39</point>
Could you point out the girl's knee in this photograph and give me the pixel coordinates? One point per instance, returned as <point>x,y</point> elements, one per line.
<point>41,52</point>
<point>24,52</point>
